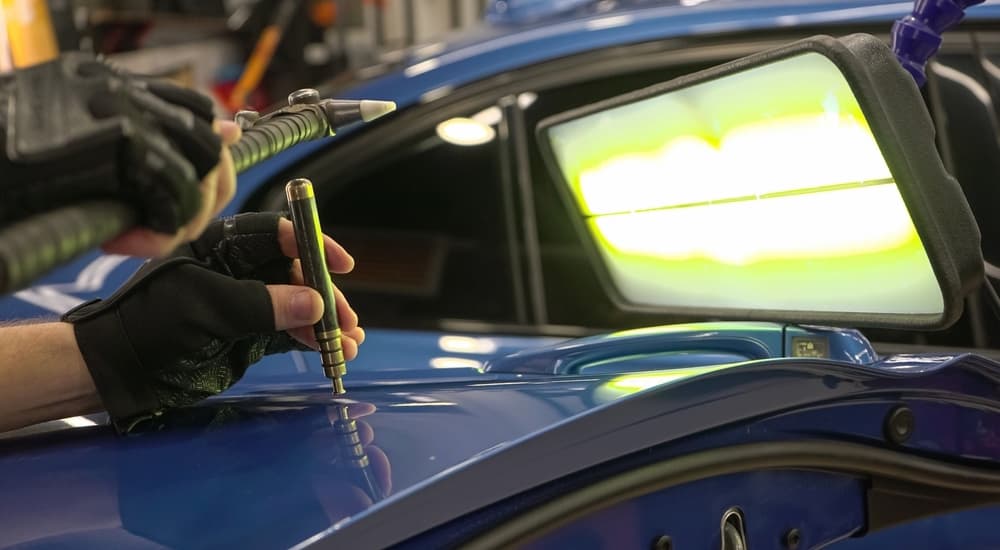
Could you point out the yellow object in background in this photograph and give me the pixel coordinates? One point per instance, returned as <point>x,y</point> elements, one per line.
<point>256,66</point>
<point>30,34</point>
<point>262,54</point>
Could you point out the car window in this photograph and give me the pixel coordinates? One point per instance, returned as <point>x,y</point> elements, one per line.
<point>970,136</point>
<point>964,111</point>
<point>963,103</point>
<point>426,223</point>
<point>426,228</point>
<point>429,229</point>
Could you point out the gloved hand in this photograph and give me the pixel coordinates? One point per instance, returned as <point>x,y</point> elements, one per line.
<point>76,129</point>
<point>188,326</point>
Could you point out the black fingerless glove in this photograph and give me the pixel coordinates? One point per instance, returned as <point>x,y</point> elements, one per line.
<point>186,327</point>
<point>76,129</point>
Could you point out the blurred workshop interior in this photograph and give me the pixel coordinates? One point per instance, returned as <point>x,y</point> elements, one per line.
<point>243,53</point>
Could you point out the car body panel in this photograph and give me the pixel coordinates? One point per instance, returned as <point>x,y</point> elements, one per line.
<point>401,355</point>
<point>799,498</point>
<point>688,345</point>
<point>263,459</point>
<point>258,469</point>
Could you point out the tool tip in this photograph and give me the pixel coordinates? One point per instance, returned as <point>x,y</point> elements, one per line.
<point>372,109</point>
<point>298,189</point>
<point>338,386</point>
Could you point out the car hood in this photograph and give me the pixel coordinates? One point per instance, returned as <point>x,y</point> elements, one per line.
<point>263,468</point>
<point>266,467</point>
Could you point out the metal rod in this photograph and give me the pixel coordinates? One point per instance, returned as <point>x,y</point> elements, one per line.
<point>309,237</point>
<point>353,455</point>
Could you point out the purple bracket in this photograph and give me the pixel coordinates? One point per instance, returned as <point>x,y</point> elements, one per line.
<point>917,37</point>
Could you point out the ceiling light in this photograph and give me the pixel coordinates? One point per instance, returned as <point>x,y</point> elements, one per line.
<point>465,131</point>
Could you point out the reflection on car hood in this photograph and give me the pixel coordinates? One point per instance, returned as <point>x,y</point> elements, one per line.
<point>262,469</point>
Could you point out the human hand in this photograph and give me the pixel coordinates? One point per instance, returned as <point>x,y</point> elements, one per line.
<point>217,189</point>
<point>78,129</point>
<point>188,326</point>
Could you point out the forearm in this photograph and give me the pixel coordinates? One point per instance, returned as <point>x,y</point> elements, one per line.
<point>42,375</point>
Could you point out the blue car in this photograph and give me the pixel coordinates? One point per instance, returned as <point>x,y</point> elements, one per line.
<point>506,397</point>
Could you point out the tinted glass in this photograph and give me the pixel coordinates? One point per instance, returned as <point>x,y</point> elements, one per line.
<point>425,226</point>
<point>968,91</point>
<point>572,291</point>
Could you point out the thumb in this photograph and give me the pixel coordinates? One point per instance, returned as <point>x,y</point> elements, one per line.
<point>294,306</point>
<point>228,130</point>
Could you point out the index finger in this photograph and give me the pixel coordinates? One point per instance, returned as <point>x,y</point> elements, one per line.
<point>225,172</point>
<point>338,260</point>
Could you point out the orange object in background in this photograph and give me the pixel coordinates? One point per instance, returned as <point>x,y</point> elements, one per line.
<point>323,13</point>
<point>30,34</point>
<point>257,100</point>
<point>262,54</point>
<point>256,65</point>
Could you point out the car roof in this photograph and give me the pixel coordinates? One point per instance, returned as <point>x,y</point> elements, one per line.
<point>520,12</point>
<point>491,49</point>
<point>433,70</point>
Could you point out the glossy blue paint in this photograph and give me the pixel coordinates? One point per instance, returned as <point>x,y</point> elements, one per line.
<point>400,355</point>
<point>956,416</point>
<point>688,345</point>
<point>799,499</point>
<point>259,469</point>
<point>256,472</point>
<point>524,12</point>
<point>941,426</point>
<point>530,11</point>
<point>90,276</point>
<point>935,533</point>
<point>710,411</point>
<point>803,500</point>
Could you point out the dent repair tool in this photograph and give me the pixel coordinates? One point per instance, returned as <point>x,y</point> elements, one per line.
<point>312,254</point>
<point>309,236</point>
<point>32,247</point>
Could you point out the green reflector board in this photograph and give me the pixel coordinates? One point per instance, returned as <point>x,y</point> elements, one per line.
<point>764,189</point>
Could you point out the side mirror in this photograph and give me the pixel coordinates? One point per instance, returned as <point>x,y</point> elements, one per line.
<point>799,184</point>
